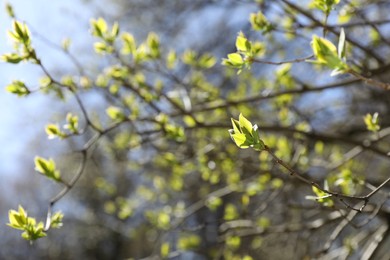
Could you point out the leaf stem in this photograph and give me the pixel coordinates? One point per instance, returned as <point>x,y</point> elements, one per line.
<point>340,196</point>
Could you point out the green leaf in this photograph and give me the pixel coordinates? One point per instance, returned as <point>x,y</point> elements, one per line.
<point>241,140</point>
<point>153,42</point>
<point>245,135</point>
<point>17,219</point>
<point>263,222</point>
<point>20,220</point>
<point>235,59</point>
<point>244,55</point>
<point>372,122</point>
<point>162,118</point>
<point>206,61</point>
<point>342,45</point>
<point>129,44</point>
<point>102,48</point>
<point>20,33</point>
<point>188,242</point>
<point>323,48</point>
<point>56,220</point>
<point>175,132</point>
<point>115,30</point>
<point>47,168</point>
<point>326,53</point>
<point>18,28</point>
<point>189,121</point>
<point>99,27</point>
<point>9,10</point>
<point>213,202</point>
<point>171,59</point>
<point>115,113</point>
<point>242,43</point>
<point>163,220</point>
<point>33,231</point>
<point>164,250</point>
<point>260,23</point>
<point>12,58</point>
<point>245,124</point>
<point>66,44</point>
<point>236,126</point>
<point>72,123</point>
<point>189,57</point>
<point>258,49</point>
<point>53,131</point>
<point>233,242</point>
<point>324,5</point>
<point>231,212</point>
<point>258,144</point>
<point>141,53</point>
<point>319,147</point>
<point>277,183</point>
<point>321,196</point>
<point>18,87</point>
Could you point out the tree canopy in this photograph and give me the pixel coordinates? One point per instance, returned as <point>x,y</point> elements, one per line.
<point>234,130</point>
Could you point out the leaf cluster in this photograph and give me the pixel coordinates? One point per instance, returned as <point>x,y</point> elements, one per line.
<point>31,229</point>
<point>245,135</point>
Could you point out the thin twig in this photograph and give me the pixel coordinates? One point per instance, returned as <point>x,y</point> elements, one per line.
<point>340,196</point>
<point>336,232</point>
<point>283,62</point>
<point>370,81</point>
<point>67,188</point>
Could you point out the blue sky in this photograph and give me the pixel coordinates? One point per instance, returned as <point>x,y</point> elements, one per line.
<point>23,119</point>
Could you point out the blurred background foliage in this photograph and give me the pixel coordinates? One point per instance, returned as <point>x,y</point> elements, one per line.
<point>167,182</point>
